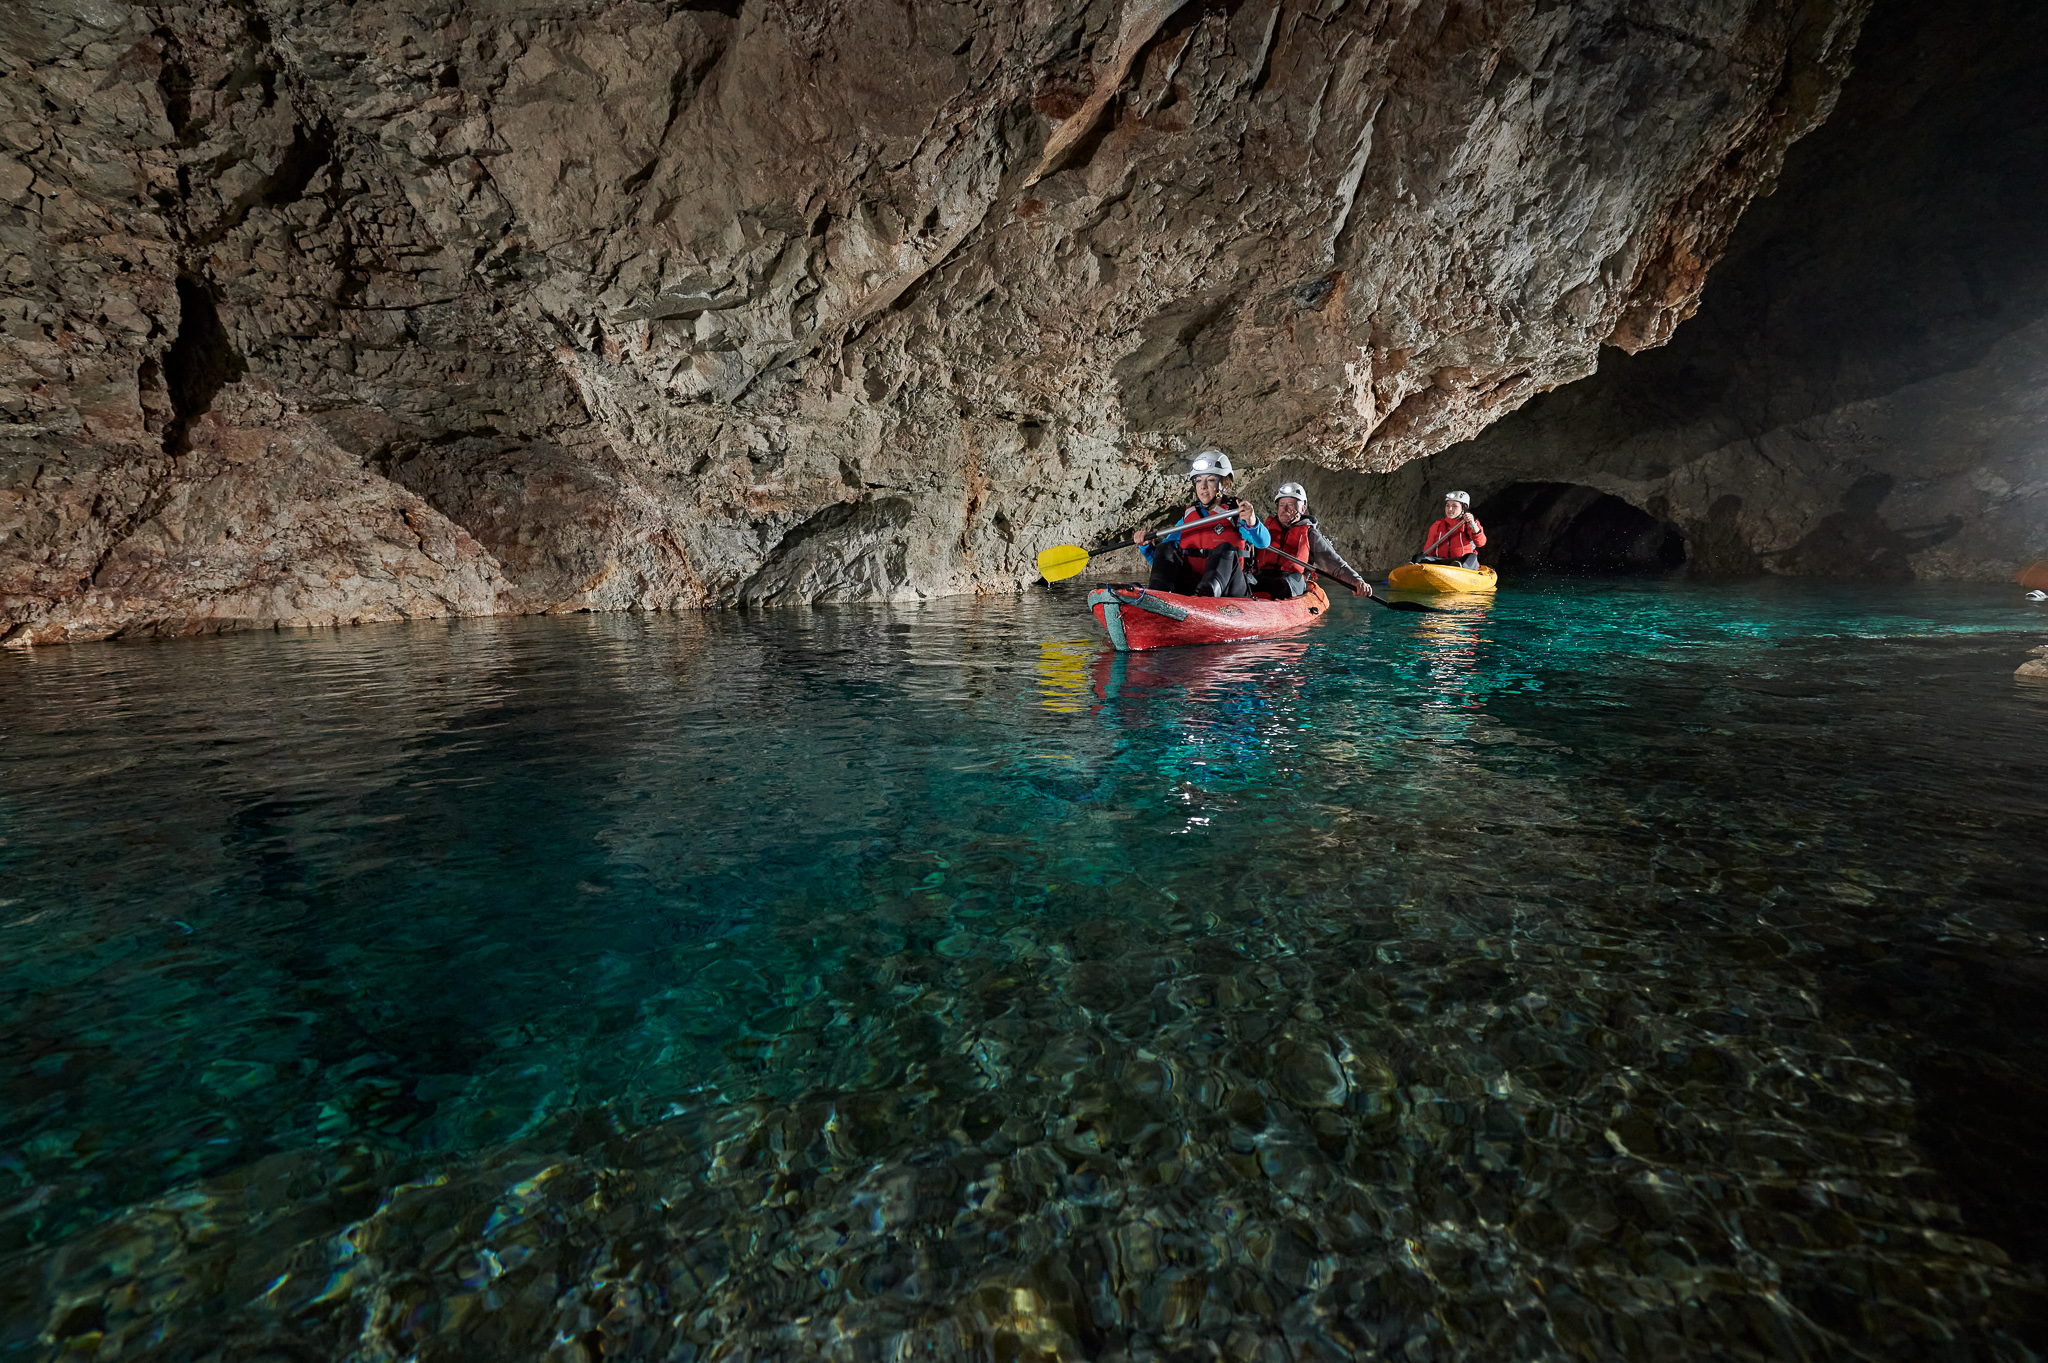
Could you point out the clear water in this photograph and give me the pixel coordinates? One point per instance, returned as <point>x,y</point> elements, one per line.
<point>1602,972</point>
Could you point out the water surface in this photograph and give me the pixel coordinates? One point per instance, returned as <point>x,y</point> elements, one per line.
<point>1610,971</point>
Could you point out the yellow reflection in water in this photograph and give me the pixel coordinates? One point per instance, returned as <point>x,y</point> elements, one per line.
<point>1063,673</point>
<point>1451,642</point>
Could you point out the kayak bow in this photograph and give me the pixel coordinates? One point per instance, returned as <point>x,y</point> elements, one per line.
<point>1441,577</point>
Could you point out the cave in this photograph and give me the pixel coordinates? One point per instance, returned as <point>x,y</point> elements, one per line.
<point>1569,528</point>
<point>1791,304</point>
<point>1857,395</point>
<point>795,939</point>
<point>660,308</point>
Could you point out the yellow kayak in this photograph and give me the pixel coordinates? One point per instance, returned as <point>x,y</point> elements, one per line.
<point>1441,577</point>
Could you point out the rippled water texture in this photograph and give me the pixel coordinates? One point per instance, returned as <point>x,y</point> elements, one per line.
<point>1615,971</point>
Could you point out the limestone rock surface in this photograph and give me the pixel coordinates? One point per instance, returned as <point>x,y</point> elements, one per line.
<point>320,312</point>
<point>1864,391</point>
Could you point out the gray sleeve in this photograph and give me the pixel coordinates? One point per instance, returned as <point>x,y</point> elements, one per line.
<point>1324,555</point>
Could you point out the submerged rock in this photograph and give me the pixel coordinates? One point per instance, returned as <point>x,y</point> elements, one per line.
<point>324,313</point>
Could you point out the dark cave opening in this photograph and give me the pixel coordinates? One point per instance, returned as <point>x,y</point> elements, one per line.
<point>1571,528</point>
<point>200,362</point>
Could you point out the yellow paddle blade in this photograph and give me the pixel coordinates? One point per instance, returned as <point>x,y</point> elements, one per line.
<point>1061,562</point>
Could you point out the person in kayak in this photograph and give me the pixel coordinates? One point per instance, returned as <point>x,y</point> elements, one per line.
<point>1296,534</point>
<point>1288,525</point>
<point>1210,561</point>
<point>1457,538</point>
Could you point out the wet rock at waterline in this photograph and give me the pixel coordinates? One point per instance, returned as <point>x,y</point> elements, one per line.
<point>329,313</point>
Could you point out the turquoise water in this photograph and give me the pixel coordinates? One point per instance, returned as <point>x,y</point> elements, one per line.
<point>1611,971</point>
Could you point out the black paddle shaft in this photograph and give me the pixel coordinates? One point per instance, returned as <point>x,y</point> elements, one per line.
<point>1441,538</point>
<point>1369,593</point>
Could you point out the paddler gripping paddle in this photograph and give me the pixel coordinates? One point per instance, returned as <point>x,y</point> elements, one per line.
<point>1063,561</point>
<point>1365,590</point>
<point>1455,528</point>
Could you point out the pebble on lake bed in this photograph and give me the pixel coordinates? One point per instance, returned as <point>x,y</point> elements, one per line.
<point>2036,665</point>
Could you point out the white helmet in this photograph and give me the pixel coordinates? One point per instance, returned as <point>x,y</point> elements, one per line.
<point>1215,463</point>
<point>1464,497</point>
<point>1294,490</point>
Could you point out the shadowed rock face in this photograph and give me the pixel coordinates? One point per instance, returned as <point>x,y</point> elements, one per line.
<point>1864,392</point>
<point>1568,528</point>
<point>319,313</point>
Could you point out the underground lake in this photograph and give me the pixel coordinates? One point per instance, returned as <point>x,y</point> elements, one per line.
<point>1625,968</point>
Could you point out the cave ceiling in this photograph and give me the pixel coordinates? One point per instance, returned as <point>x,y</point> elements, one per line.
<point>1860,393</point>
<point>321,313</point>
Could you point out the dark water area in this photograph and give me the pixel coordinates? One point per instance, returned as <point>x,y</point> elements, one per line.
<point>1617,970</point>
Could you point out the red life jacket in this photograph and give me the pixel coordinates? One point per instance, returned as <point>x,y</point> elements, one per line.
<point>1456,543</point>
<point>1197,545</point>
<point>1291,538</point>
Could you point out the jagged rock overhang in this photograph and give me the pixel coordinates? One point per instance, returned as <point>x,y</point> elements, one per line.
<point>611,307</point>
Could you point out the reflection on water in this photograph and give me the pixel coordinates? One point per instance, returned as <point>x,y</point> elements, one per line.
<point>1612,971</point>
<point>1063,673</point>
<point>1450,646</point>
<point>1197,679</point>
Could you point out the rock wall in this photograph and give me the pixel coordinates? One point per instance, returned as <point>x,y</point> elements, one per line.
<point>1864,391</point>
<point>317,313</point>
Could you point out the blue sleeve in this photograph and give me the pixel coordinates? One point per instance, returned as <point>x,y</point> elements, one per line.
<point>1170,537</point>
<point>1256,535</point>
<point>1146,550</point>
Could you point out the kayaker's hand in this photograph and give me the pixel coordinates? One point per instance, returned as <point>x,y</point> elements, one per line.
<point>1140,536</point>
<point>1246,514</point>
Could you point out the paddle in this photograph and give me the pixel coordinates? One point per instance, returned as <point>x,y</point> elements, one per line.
<point>1063,561</point>
<point>1440,539</point>
<point>1368,593</point>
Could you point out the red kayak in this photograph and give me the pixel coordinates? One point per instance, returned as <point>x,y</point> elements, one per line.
<point>1140,618</point>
